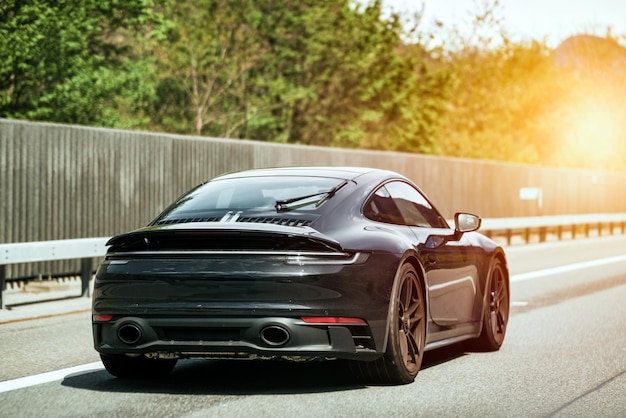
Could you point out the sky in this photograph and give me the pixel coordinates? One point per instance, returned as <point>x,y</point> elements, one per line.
<point>552,20</point>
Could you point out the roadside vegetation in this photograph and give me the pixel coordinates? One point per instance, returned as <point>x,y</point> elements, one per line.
<point>335,73</point>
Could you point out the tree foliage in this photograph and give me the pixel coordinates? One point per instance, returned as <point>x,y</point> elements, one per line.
<point>340,73</point>
<point>310,72</point>
<point>71,61</point>
<point>204,66</point>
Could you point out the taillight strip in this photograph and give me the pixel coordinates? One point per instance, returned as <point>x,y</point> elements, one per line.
<point>289,257</point>
<point>325,320</point>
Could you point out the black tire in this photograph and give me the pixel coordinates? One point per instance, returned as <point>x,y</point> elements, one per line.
<point>406,336</point>
<point>495,309</point>
<point>137,367</point>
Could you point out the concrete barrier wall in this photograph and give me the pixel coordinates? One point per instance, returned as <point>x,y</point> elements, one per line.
<point>62,181</point>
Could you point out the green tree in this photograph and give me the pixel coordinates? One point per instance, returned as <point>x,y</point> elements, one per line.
<point>413,100</point>
<point>342,77</point>
<point>204,66</point>
<point>76,61</point>
<point>312,72</point>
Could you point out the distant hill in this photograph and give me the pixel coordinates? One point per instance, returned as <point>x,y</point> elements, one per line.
<point>590,55</point>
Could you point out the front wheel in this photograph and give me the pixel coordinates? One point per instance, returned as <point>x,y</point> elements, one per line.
<point>406,333</point>
<point>496,309</point>
<point>141,367</point>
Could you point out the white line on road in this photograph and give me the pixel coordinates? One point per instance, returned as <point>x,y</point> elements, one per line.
<point>565,269</point>
<point>38,379</point>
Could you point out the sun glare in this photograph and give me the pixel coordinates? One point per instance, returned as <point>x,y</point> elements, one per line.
<point>593,134</point>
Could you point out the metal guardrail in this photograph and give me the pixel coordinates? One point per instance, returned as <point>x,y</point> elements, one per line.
<point>541,226</point>
<point>559,226</point>
<point>30,252</point>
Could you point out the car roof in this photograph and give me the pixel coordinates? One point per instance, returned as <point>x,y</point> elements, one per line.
<point>345,173</point>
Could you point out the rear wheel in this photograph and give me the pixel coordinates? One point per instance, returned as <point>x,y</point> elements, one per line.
<point>496,309</point>
<point>121,365</point>
<point>406,336</point>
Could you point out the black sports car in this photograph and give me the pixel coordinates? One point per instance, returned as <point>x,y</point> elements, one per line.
<point>299,264</point>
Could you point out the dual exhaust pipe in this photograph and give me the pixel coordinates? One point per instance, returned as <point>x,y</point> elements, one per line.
<point>131,333</point>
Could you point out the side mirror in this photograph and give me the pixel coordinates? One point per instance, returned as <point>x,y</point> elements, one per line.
<point>463,222</point>
<point>466,222</point>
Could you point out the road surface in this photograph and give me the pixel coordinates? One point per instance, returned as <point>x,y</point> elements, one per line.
<point>564,356</point>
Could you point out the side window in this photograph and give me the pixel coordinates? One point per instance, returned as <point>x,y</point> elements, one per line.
<point>413,206</point>
<point>381,207</point>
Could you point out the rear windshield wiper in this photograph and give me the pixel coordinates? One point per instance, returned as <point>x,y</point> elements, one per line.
<point>283,205</point>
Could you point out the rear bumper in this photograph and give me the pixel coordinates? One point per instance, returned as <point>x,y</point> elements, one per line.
<point>260,337</point>
<point>221,305</point>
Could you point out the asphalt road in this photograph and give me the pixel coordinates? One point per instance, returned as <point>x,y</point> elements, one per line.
<point>564,356</point>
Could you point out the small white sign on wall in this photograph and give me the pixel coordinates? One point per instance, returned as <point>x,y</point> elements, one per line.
<point>532,193</point>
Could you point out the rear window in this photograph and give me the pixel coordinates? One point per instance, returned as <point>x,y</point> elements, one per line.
<point>241,194</point>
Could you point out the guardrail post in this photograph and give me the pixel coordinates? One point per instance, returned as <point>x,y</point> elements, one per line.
<point>3,285</point>
<point>85,276</point>
<point>542,234</point>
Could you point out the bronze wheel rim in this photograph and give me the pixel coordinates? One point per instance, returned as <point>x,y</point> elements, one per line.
<point>498,304</point>
<point>411,322</point>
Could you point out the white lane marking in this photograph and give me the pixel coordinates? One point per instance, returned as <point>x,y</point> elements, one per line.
<point>564,269</point>
<point>38,379</point>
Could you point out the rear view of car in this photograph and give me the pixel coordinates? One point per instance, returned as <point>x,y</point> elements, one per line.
<point>274,264</point>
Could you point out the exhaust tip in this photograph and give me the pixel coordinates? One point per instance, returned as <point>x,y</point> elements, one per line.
<point>275,335</point>
<point>129,333</point>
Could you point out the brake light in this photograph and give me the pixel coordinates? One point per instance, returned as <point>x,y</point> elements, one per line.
<point>102,317</point>
<point>333,320</point>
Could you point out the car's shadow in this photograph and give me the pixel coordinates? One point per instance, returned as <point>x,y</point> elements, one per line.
<point>239,377</point>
